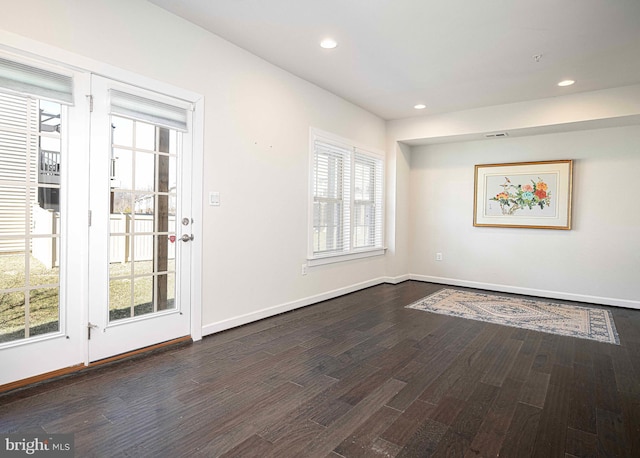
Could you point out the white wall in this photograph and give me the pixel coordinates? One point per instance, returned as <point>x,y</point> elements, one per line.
<point>397,211</point>
<point>256,146</point>
<point>598,260</point>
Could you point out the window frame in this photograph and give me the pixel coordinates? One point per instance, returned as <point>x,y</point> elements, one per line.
<point>353,153</point>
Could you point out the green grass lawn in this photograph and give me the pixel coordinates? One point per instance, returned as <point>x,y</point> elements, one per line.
<point>44,302</point>
<point>43,310</point>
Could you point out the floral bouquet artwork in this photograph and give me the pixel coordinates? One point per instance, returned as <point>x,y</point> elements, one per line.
<point>534,195</point>
<point>516,197</point>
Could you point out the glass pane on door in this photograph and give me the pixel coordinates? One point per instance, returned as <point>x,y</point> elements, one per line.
<point>30,167</point>
<point>142,219</point>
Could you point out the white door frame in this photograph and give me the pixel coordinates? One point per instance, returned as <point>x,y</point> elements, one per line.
<point>78,144</point>
<point>109,338</point>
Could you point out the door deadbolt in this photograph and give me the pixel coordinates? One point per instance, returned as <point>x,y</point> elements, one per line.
<point>185,221</point>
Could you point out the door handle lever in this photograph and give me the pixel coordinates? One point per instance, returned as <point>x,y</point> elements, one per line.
<point>187,238</point>
<point>90,326</point>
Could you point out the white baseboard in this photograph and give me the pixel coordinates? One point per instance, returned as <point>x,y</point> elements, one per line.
<point>229,323</point>
<point>530,291</point>
<point>396,280</point>
<point>240,320</point>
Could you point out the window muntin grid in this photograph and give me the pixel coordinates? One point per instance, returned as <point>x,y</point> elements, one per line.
<point>142,240</point>
<point>31,165</point>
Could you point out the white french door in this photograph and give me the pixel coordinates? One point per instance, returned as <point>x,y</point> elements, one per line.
<point>96,195</point>
<point>140,238</point>
<point>43,205</point>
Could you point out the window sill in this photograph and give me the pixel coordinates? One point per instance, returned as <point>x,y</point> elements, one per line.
<point>320,261</point>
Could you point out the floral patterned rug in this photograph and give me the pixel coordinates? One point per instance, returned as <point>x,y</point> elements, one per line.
<point>538,315</point>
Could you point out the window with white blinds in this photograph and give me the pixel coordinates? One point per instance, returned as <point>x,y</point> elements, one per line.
<point>367,201</point>
<point>347,192</point>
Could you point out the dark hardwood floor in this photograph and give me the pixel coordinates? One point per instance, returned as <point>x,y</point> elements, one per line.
<point>359,375</point>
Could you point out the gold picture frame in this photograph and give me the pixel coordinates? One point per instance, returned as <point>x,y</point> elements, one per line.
<point>534,195</point>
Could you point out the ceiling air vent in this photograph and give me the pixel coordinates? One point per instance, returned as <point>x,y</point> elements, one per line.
<point>497,135</point>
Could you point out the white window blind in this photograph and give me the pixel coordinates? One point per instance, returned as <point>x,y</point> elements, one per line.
<point>331,198</point>
<point>170,115</point>
<point>367,207</point>
<point>347,200</point>
<point>29,80</point>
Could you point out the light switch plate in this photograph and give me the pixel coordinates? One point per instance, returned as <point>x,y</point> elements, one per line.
<point>214,199</point>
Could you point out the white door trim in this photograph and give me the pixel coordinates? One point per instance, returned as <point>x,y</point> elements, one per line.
<point>111,338</point>
<point>197,193</point>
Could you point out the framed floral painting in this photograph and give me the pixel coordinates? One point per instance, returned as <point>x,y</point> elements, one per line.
<point>525,194</point>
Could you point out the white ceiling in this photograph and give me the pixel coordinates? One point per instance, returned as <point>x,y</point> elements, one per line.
<point>448,54</point>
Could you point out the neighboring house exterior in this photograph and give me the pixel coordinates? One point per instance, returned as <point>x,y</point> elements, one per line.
<point>30,173</point>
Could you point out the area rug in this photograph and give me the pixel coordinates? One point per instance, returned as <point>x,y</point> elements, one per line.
<point>538,315</point>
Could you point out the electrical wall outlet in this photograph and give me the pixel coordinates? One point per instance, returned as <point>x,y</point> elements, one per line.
<point>438,256</point>
<point>303,271</point>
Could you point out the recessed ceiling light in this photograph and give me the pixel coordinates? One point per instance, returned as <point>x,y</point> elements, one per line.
<point>328,43</point>
<point>420,106</point>
<point>566,83</point>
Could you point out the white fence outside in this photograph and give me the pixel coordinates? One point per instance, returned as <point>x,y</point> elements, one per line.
<point>45,249</point>
<point>121,247</point>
